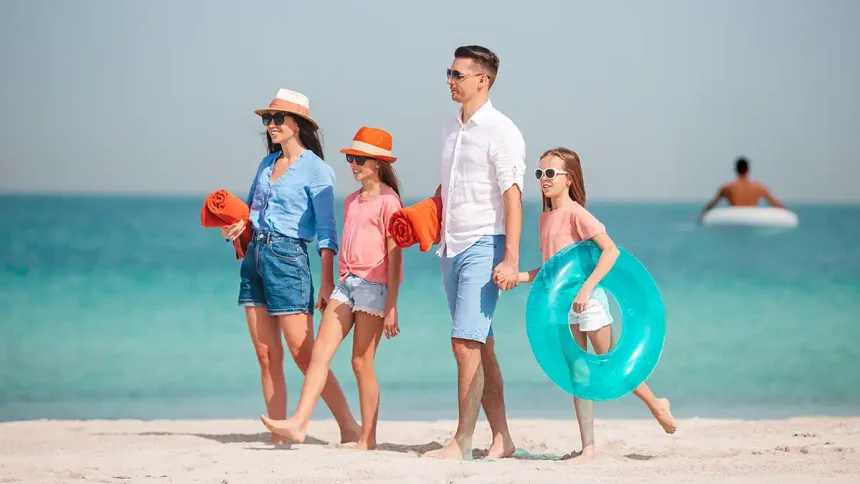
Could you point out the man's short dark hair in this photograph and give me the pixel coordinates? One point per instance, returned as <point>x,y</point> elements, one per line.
<point>487,61</point>
<point>742,166</point>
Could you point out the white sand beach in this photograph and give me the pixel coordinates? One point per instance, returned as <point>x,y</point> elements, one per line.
<point>801,450</point>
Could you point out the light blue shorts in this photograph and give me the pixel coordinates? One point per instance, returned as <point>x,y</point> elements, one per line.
<point>472,294</point>
<point>362,295</point>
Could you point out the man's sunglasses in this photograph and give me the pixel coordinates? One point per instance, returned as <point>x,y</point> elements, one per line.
<point>278,118</point>
<point>357,159</point>
<point>458,76</point>
<point>549,172</point>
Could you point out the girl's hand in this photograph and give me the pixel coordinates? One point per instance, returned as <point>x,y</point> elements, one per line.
<point>325,293</point>
<point>230,232</point>
<point>390,327</point>
<point>523,277</point>
<point>580,302</point>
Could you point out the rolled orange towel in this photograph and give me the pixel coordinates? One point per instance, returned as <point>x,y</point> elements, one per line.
<point>220,209</point>
<point>419,223</point>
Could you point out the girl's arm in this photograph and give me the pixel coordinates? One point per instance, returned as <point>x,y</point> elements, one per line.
<point>395,262</point>
<point>529,276</point>
<point>608,255</point>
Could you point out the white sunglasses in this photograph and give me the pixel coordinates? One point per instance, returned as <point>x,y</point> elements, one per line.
<point>549,172</point>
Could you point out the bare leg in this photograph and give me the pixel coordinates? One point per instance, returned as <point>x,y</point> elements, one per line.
<point>299,332</point>
<point>659,407</point>
<point>335,325</point>
<point>368,330</point>
<point>493,401</point>
<point>470,389</point>
<point>266,338</point>
<point>584,408</point>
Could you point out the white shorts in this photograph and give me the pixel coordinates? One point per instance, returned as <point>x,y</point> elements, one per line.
<point>596,314</point>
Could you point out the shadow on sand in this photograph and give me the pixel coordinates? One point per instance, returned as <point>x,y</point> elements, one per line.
<point>260,438</point>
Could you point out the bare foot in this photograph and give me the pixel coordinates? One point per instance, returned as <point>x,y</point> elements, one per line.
<point>588,453</point>
<point>351,435</point>
<point>360,445</point>
<point>279,440</point>
<point>664,416</point>
<point>501,447</point>
<point>451,451</point>
<point>293,431</point>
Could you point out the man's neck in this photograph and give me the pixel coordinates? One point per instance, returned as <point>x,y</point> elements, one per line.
<point>472,106</point>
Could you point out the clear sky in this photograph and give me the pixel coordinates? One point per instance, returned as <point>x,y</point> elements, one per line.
<point>658,97</point>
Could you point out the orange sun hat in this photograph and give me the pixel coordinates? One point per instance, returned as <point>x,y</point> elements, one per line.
<point>373,143</point>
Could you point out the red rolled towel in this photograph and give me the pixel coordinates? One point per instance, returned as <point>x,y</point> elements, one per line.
<point>220,209</point>
<point>419,223</point>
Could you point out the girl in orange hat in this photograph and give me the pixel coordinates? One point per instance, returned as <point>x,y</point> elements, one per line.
<point>371,271</point>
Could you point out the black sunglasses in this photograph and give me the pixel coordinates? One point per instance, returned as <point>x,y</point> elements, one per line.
<point>357,159</point>
<point>278,118</point>
<point>458,76</point>
<point>549,172</point>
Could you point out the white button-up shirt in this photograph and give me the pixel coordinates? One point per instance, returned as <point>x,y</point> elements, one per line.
<point>481,160</point>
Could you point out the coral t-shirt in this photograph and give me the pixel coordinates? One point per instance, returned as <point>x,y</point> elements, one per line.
<point>364,243</point>
<point>566,225</point>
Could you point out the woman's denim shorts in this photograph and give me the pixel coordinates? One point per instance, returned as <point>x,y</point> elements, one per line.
<point>276,274</point>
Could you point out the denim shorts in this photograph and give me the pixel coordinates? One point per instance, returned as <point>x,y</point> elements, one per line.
<point>276,274</point>
<point>472,294</point>
<point>361,295</point>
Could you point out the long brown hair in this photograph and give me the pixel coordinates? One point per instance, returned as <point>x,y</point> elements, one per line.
<point>573,167</point>
<point>388,176</point>
<point>308,135</point>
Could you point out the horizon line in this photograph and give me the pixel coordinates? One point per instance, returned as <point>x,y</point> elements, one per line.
<point>201,195</point>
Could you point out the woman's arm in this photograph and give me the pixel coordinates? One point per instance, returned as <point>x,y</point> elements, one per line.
<point>267,160</point>
<point>322,198</point>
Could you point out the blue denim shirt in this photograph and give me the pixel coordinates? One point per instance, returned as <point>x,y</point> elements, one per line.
<point>300,204</point>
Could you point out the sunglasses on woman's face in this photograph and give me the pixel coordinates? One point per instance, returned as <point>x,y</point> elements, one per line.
<point>278,118</point>
<point>358,160</point>
<point>549,172</point>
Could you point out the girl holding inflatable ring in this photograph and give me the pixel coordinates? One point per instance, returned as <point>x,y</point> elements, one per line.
<point>565,221</point>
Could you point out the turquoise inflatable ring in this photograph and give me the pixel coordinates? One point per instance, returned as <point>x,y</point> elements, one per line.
<point>585,375</point>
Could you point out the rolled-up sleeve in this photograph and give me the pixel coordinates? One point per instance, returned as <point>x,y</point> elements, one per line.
<point>322,198</point>
<point>508,155</point>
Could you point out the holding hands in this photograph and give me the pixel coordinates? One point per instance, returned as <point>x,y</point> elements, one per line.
<point>506,275</point>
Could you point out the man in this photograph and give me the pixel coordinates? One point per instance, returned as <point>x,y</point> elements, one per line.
<point>742,192</point>
<point>483,162</point>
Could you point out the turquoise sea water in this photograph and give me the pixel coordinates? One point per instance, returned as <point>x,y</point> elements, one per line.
<point>126,307</point>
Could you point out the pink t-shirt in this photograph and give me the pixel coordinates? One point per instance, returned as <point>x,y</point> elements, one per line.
<point>365,235</point>
<point>566,225</point>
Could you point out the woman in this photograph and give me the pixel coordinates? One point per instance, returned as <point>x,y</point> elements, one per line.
<point>291,202</point>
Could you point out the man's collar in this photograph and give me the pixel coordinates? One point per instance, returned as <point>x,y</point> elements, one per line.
<point>480,114</point>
